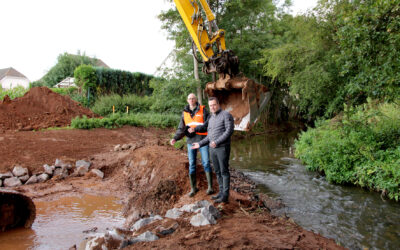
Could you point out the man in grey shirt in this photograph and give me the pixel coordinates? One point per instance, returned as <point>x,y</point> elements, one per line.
<point>220,129</point>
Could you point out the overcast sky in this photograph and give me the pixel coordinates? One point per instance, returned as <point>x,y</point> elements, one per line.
<point>125,34</point>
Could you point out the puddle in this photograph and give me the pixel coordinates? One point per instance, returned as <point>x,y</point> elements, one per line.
<point>59,224</point>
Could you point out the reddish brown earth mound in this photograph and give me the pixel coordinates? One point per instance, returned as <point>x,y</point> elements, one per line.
<point>39,108</point>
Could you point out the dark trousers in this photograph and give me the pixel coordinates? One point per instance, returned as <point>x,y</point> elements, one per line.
<point>220,159</point>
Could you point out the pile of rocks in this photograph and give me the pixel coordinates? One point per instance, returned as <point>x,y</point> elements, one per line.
<point>204,214</point>
<point>60,170</point>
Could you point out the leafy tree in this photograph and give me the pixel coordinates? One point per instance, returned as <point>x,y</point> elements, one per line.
<point>66,64</point>
<point>85,77</point>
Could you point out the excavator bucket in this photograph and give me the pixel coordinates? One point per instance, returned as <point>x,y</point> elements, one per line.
<point>242,97</point>
<point>16,210</point>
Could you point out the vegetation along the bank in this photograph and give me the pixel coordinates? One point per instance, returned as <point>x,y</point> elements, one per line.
<point>360,146</point>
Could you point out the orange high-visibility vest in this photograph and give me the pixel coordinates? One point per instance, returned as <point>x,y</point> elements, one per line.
<point>198,119</point>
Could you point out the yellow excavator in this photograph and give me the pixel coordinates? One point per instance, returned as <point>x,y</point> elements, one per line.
<point>241,96</point>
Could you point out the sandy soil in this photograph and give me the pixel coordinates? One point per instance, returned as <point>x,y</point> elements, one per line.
<point>151,177</point>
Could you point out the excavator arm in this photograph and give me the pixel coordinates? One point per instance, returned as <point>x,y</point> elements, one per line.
<point>242,97</point>
<point>212,48</point>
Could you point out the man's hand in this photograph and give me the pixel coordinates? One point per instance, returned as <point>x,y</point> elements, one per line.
<point>213,144</point>
<point>195,145</point>
<point>190,130</point>
<point>172,142</point>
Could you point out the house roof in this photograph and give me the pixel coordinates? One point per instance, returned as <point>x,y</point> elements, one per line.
<point>100,63</point>
<point>10,72</point>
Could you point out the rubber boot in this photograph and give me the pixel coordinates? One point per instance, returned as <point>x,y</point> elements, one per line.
<point>210,189</point>
<point>193,191</point>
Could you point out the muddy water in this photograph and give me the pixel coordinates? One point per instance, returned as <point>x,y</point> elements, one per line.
<point>59,224</point>
<point>354,217</point>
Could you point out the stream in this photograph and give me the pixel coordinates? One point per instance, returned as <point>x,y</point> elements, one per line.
<point>354,217</point>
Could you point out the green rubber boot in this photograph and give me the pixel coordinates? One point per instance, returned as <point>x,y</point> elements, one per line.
<point>210,189</point>
<point>193,191</point>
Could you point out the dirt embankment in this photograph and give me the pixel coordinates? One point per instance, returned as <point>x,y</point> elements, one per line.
<point>39,108</point>
<point>151,177</point>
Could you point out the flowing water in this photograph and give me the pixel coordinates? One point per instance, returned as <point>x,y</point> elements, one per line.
<point>60,224</point>
<point>353,217</point>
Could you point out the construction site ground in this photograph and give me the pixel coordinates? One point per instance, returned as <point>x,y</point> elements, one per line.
<point>150,178</point>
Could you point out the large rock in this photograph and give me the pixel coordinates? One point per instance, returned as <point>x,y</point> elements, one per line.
<point>205,217</point>
<point>12,182</point>
<point>189,208</point>
<point>6,175</point>
<point>146,236</point>
<point>145,221</point>
<point>43,177</point>
<point>24,178</point>
<point>61,164</point>
<point>19,171</point>
<point>48,169</point>
<point>32,180</point>
<point>98,173</point>
<point>61,172</point>
<point>173,213</point>
<point>81,171</point>
<point>82,163</point>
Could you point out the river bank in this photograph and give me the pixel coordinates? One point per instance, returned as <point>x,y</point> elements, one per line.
<point>150,178</point>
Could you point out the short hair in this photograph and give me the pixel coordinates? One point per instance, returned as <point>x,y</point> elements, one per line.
<point>213,98</point>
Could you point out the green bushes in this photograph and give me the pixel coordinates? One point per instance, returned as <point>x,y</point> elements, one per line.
<point>122,82</point>
<point>15,92</point>
<point>137,104</point>
<point>65,91</point>
<point>362,147</point>
<point>118,120</point>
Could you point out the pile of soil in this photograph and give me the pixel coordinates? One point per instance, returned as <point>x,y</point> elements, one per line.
<point>39,108</point>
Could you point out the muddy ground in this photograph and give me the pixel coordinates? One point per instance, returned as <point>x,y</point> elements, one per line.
<point>150,178</point>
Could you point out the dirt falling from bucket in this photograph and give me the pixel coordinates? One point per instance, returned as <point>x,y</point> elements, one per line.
<point>60,224</point>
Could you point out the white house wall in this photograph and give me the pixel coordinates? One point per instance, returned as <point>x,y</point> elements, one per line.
<point>9,82</point>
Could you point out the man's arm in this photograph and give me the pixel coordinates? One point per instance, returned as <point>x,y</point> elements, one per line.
<point>180,132</point>
<point>229,126</point>
<point>203,128</point>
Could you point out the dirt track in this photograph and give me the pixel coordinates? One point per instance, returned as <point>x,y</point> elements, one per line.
<point>151,178</point>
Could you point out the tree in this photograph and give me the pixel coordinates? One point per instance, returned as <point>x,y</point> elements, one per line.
<point>66,64</point>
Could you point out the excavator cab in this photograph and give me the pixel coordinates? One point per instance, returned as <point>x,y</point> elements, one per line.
<point>242,97</point>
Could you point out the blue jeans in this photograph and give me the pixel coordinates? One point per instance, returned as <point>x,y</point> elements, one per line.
<point>205,160</point>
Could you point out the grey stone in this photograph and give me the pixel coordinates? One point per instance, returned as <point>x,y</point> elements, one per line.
<point>214,212</point>
<point>19,171</point>
<point>43,177</point>
<point>189,208</point>
<point>12,182</point>
<point>82,163</point>
<point>146,236</point>
<point>24,178</point>
<point>145,221</point>
<point>61,172</point>
<point>61,164</point>
<point>80,171</point>
<point>173,213</point>
<point>32,180</point>
<point>117,147</point>
<point>48,169</point>
<point>203,203</point>
<point>205,217</point>
<point>6,175</point>
<point>125,147</point>
<point>98,172</point>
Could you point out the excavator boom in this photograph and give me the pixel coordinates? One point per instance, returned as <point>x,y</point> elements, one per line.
<point>241,96</point>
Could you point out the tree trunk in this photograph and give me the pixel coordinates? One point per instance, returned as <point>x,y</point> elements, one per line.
<point>197,78</point>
